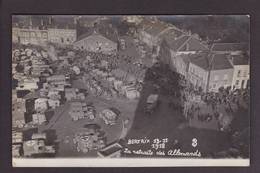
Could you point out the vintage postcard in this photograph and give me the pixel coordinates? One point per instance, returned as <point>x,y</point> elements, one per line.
<point>130,90</point>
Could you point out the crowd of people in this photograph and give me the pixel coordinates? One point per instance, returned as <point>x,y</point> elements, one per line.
<point>227,97</point>
<point>215,106</point>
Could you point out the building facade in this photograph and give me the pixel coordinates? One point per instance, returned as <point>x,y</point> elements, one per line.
<point>153,32</point>
<point>15,34</point>
<point>241,77</point>
<point>62,36</point>
<point>221,73</point>
<point>133,19</point>
<point>38,36</point>
<point>31,36</point>
<point>175,51</point>
<point>198,71</point>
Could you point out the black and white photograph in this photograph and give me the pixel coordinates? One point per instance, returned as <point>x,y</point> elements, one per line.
<point>136,90</point>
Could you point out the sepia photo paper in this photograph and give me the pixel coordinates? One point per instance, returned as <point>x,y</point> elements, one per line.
<point>130,90</point>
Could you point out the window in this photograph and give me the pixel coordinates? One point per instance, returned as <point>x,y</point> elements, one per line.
<point>39,34</point>
<point>216,77</point>
<point>245,73</point>
<point>238,73</point>
<point>225,76</point>
<point>237,82</point>
<point>44,35</point>
<point>33,34</point>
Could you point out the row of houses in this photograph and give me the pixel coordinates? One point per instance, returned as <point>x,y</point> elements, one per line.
<point>38,36</point>
<point>44,31</point>
<point>92,41</point>
<point>208,67</point>
<point>102,38</point>
<point>222,65</point>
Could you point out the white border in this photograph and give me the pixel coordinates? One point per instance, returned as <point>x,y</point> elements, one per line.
<point>135,162</point>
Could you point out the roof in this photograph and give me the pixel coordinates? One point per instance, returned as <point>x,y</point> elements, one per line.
<point>176,44</point>
<point>108,31</point>
<point>156,28</point>
<point>172,33</point>
<point>57,21</point>
<point>61,21</point>
<point>145,23</point>
<point>90,19</point>
<point>119,73</point>
<point>201,60</point>
<point>220,62</point>
<point>193,44</point>
<point>62,26</point>
<point>92,33</point>
<point>89,32</point>
<point>230,47</point>
<point>240,60</point>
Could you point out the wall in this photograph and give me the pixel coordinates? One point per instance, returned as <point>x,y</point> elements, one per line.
<point>197,76</point>
<point>15,35</point>
<point>32,36</point>
<point>224,79</point>
<point>238,78</point>
<point>62,36</point>
<point>165,53</point>
<point>178,64</point>
<point>36,36</point>
<point>148,39</point>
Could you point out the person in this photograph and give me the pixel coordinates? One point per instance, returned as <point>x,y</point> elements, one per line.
<point>216,114</point>
<point>209,118</point>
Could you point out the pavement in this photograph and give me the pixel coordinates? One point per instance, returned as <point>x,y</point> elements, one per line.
<point>65,128</point>
<point>196,123</point>
<point>168,123</point>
